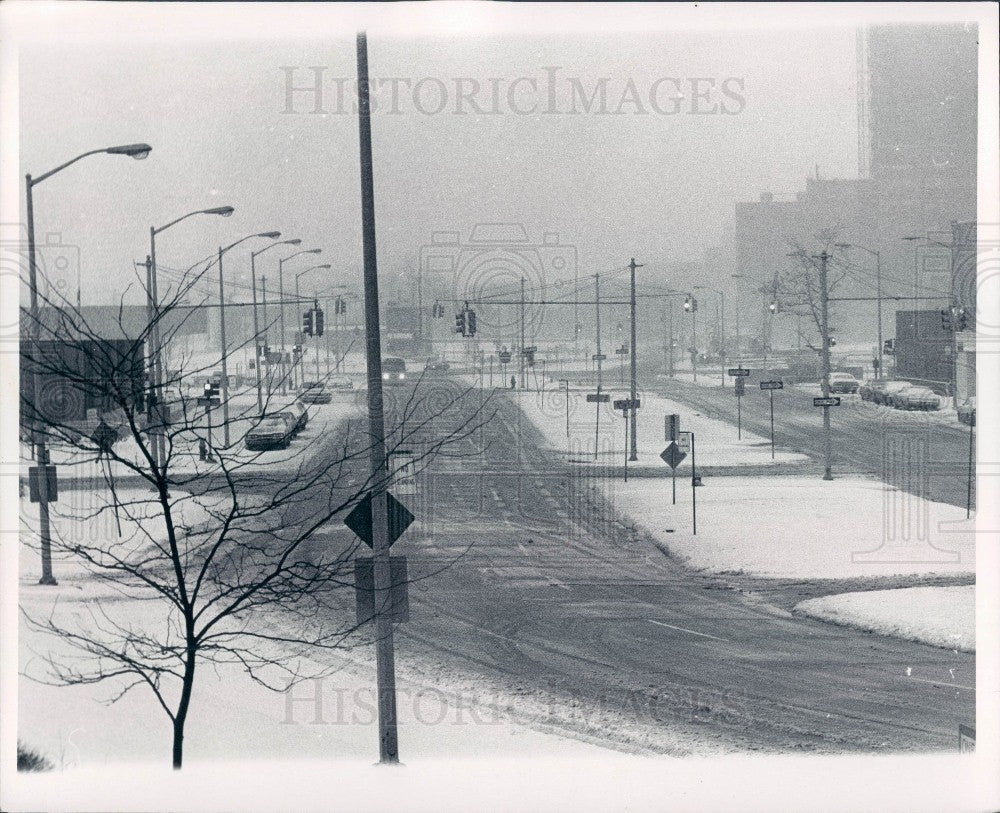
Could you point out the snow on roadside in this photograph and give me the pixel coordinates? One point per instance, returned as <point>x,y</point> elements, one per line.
<point>798,527</point>
<point>939,616</point>
<point>716,442</point>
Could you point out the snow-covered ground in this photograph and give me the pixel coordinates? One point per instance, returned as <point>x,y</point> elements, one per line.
<point>940,616</point>
<point>716,442</point>
<point>798,527</point>
<point>233,717</point>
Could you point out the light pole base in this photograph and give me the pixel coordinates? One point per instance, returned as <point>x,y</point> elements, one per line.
<point>827,476</point>
<point>48,581</point>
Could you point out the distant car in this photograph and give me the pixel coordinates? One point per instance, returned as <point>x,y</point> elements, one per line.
<point>315,393</point>
<point>273,432</point>
<point>437,366</point>
<point>341,382</point>
<point>843,382</point>
<point>967,411</point>
<point>394,371</point>
<point>882,390</point>
<point>914,397</point>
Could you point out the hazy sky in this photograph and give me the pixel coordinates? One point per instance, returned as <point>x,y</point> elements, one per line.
<point>659,186</point>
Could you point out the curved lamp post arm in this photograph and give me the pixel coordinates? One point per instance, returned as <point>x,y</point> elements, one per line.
<point>225,211</point>
<point>294,242</point>
<point>137,151</point>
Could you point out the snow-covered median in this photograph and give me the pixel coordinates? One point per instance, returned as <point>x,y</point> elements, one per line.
<point>940,616</point>
<point>798,527</point>
<point>716,443</point>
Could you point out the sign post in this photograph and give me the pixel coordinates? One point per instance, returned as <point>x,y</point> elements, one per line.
<point>672,431</point>
<point>565,383</point>
<point>694,493</point>
<point>626,404</point>
<point>771,386</point>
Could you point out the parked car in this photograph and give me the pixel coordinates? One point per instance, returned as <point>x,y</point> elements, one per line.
<point>341,382</point>
<point>914,397</point>
<point>314,392</point>
<point>867,389</point>
<point>967,411</point>
<point>298,415</point>
<point>881,390</point>
<point>843,382</point>
<point>273,432</point>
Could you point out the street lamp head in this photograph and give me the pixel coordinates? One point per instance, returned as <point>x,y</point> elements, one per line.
<point>136,151</point>
<point>327,265</point>
<point>294,242</point>
<point>225,211</point>
<point>270,234</point>
<point>913,237</point>
<point>313,251</point>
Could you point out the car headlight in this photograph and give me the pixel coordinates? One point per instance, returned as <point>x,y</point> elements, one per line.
<point>402,376</point>
<point>385,376</point>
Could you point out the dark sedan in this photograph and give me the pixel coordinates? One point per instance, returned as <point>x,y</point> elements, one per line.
<point>274,432</point>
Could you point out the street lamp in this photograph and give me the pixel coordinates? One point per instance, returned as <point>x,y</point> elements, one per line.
<point>281,302</point>
<point>271,235</point>
<point>137,151</point>
<point>159,449</point>
<point>878,297</point>
<point>722,327</point>
<point>256,325</point>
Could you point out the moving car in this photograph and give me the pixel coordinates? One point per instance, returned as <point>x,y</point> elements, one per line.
<point>881,390</point>
<point>967,411</point>
<point>273,432</point>
<point>843,382</point>
<point>393,371</point>
<point>314,392</point>
<point>914,397</point>
<point>341,382</point>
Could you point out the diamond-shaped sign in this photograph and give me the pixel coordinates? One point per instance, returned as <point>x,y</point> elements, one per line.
<point>672,455</point>
<point>360,519</point>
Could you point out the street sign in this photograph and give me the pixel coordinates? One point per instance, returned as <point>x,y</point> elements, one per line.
<point>826,402</point>
<point>208,402</point>
<point>621,351</point>
<point>739,372</point>
<point>50,476</point>
<point>599,357</point>
<point>626,403</point>
<point>740,388</point>
<point>364,589</point>
<point>505,356</point>
<point>598,397</point>
<point>771,385</point>
<point>671,426</point>
<point>672,455</point>
<point>404,473</point>
<point>360,519</point>
<point>684,442</point>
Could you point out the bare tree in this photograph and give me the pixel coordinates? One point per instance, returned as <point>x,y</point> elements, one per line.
<point>223,547</point>
<point>798,291</point>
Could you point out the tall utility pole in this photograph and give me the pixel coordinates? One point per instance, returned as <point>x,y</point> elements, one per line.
<point>597,358</point>
<point>824,294</point>
<point>263,308</point>
<point>524,373</point>
<point>256,330</point>
<point>384,655</point>
<point>633,448</point>
<point>225,353</point>
<point>670,339</point>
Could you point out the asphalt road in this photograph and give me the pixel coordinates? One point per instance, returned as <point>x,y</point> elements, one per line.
<point>918,452</point>
<point>525,584</point>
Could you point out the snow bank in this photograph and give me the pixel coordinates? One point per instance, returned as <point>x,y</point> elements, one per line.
<point>716,442</point>
<point>797,527</point>
<point>940,616</point>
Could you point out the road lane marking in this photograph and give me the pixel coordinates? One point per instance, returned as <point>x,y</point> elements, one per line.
<point>682,629</point>
<point>942,683</point>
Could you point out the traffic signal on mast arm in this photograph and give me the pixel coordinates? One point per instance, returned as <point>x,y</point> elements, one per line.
<point>471,322</point>
<point>307,323</point>
<point>773,307</point>
<point>688,306</point>
<point>318,321</point>
<point>460,322</point>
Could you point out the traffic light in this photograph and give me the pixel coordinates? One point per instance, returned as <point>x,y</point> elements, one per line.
<point>307,323</point>
<point>687,304</point>
<point>339,306</point>
<point>963,319</point>
<point>773,307</point>
<point>211,389</point>
<point>889,347</point>
<point>946,320</point>
<point>471,319</point>
<point>833,342</point>
<point>529,354</point>
<point>318,323</point>
<point>460,322</point>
